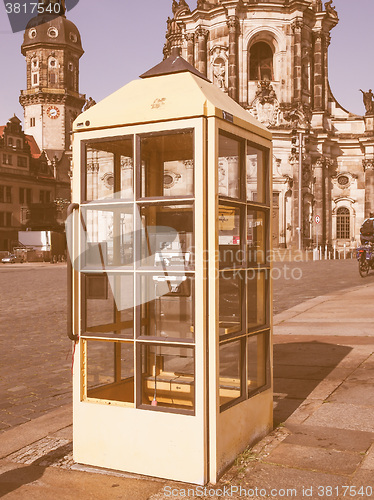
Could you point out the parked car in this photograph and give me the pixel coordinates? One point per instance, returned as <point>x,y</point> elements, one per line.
<point>9,259</point>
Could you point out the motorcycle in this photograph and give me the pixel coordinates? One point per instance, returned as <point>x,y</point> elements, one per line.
<point>365,257</point>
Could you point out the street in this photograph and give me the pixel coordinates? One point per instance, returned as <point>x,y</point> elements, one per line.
<point>35,369</point>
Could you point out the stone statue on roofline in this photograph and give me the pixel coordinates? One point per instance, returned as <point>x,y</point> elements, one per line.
<point>330,9</point>
<point>368,98</point>
<point>89,103</point>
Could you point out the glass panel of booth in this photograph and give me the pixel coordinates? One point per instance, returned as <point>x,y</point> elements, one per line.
<point>109,169</point>
<point>229,165</point>
<point>167,377</point>
<point>256,174</point>
<point>167,164</point>
<point>230,231</point>
<point>257,228</point>
<point>231,372</point>
<point>257,298</point>
<point>257,362</point>
<point>108,305</point>
<point>167,236</point>
<point>244,368</point>
<point>110,370</point>
<point>108,236</point>
<point>231,302</point>
<point>166,306</point>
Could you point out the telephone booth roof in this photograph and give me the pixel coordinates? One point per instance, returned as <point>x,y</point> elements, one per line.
<point>163,98</point>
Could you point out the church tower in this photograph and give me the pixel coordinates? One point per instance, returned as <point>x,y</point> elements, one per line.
<point>52,48</point>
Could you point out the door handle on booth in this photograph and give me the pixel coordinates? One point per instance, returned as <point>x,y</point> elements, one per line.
<point>74,338</point>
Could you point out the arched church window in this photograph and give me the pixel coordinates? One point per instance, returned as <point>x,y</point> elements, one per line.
<point>261,62</point>
<point>343,224</point>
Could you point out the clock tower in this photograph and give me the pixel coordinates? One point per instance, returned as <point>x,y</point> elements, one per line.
<point>51,102</point>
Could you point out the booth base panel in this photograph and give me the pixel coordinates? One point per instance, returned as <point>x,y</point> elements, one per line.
<point>241,426</point>
<point>152,443</point>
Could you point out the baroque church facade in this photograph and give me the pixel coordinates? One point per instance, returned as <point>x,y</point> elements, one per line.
<point>271,56</point>
<point>35,161</point>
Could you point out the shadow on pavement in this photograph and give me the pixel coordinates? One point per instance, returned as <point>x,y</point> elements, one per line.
<point>14,479</point>
<point>298,369</point>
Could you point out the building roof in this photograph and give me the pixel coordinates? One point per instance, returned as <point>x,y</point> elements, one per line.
<point>166,97</point>
<point>49,30</point>
<point>173,64</point>
<point>34,148</point>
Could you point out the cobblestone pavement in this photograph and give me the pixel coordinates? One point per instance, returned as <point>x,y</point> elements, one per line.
<point>36,353</point>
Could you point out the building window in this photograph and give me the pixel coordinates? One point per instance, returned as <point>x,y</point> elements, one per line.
<point>32,122</point>
<point>35,79</point>
<point>343,180</point>
<point>45,197</point>
<point>52,78</point>
<point>5,219</point>
<point>10,142</point>
<point>21,161</point>
<point>18,144</point>
<point>5,194</point>
<point>25,195</point>
<point>261,62</point>
<point>7,159</point>
<point>343,224</point>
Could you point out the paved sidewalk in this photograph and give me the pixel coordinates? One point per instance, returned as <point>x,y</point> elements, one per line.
<point>322,446</point>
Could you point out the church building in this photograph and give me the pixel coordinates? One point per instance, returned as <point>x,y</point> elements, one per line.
<point>271,56</point>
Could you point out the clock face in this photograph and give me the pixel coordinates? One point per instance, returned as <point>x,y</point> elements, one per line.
<point>53,112</point>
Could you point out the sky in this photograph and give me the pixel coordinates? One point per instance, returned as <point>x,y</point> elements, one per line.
<point>124,38</point>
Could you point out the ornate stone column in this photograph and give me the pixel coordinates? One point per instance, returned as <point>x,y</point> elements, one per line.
<point>202,37</point>
<point>233,74</point>
<point>297,65</point>
<point>326,42</point>
<point>319,199</point>
<point>293,161</point>
<point>190,38</point>
<point>318,83</point>
<point>328,172</point>
<point>368,165</point>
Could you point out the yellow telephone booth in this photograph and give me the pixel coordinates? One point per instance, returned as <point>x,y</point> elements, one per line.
<point>169,237</point>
